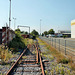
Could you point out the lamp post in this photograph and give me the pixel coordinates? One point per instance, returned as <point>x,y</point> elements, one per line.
<point>40,27</point>
<point>14,22</point>
<point>10,14</point>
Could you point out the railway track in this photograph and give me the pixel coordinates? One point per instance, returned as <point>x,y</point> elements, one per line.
<point>29,63</point>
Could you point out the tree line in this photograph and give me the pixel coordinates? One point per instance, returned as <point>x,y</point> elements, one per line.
<point>35,33</point>
<point>51,31</point>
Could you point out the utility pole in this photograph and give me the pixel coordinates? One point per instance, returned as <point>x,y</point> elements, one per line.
<point>40,27</point>
<point>10,14</point>
<point>14,22</point>
<point>9,18</point>
<point>6,32</point>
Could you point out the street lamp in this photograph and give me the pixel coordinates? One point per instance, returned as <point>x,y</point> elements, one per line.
<point>10,14</point>
<point>40,27</point>
<point>14,22</point>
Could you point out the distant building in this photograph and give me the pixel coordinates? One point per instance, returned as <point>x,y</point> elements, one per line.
<point>25,36</point>
<point>6,35</point>
<point>58,35</point>
<point>73,29</point>
<point>65,32</point>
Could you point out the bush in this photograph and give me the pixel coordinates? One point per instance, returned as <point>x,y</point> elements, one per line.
<point>64,61</point>
<point>17,43</point>
<point>64,36</point>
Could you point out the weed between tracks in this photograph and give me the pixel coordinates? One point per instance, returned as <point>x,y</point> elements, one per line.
<point>60,59</point>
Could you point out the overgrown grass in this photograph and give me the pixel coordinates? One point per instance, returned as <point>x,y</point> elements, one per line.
<point>5,54</point>
<point>27,41</point>
<point>60,58</point>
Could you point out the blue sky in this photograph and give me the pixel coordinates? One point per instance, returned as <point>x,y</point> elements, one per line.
<point>56,14</point>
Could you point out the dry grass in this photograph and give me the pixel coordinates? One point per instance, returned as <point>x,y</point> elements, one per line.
<point>60,57</point>
<point>5,55</point>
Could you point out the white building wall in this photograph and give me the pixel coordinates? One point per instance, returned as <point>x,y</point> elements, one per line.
<point>73,28</point>
<point>72,31</point>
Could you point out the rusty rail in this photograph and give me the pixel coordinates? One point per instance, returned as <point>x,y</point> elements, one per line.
<point>9,71</point>
<point>41,64</point>
<point>39,57</point>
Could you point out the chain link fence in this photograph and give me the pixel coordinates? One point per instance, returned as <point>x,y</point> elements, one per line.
<point>65,46</point>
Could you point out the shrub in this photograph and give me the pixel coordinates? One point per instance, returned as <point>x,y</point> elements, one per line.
<point>17,43</point>
<point>64,61</point>
<point>64,36</point>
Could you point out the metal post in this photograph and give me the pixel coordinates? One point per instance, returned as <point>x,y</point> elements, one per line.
<point>14,22</point>
<point>55,43</point>
<point>52,41</point>
<point>59,44</point>
<point>29,31</point>
<point>10,14</point>
<point>40,26</point>
<point>6,33</point>
<point>65,47</point>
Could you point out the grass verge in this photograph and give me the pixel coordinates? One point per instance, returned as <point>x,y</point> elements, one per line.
<point>60,57</point>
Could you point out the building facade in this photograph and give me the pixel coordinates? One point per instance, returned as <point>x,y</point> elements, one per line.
<point>0,36</point>
<point>73,29</point>
<point>6,35</point>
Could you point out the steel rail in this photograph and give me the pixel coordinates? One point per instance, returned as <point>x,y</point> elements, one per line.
<point>41,63</point>
<point>10,70</point>
<point>39,58</point>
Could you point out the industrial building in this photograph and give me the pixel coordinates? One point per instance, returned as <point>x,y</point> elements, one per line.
<point>73,28</point>
<point>6,35</point>
<point>65,32</point>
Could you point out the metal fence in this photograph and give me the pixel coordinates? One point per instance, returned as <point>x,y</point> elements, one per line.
<point>63,45</point>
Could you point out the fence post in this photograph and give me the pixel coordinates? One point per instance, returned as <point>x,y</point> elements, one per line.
<point>59,44</point>
<point>65,47</point>
<point>55,43</point>
<point>52,41</point>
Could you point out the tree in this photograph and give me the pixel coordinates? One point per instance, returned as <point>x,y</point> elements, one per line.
<point>42,34</point>
<point>22,32</point>
<point>51,31</point>
<point>17,43</point>
<point>17,29</point>
<point>25,32</point>
<point>34,33</point>
<point>45,33</point>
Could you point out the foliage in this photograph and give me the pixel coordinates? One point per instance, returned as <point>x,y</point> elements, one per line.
<point>51,31</point>
<point>45,33</point>
<point>22,32</point>
<point>64,36</point>
<point>34,33</point>
<point>5,54</point>
<point>25,32</point>
<point>42,34</point>
<point>17,42</point>
<point>17,29</point>
<point>64,61</point>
